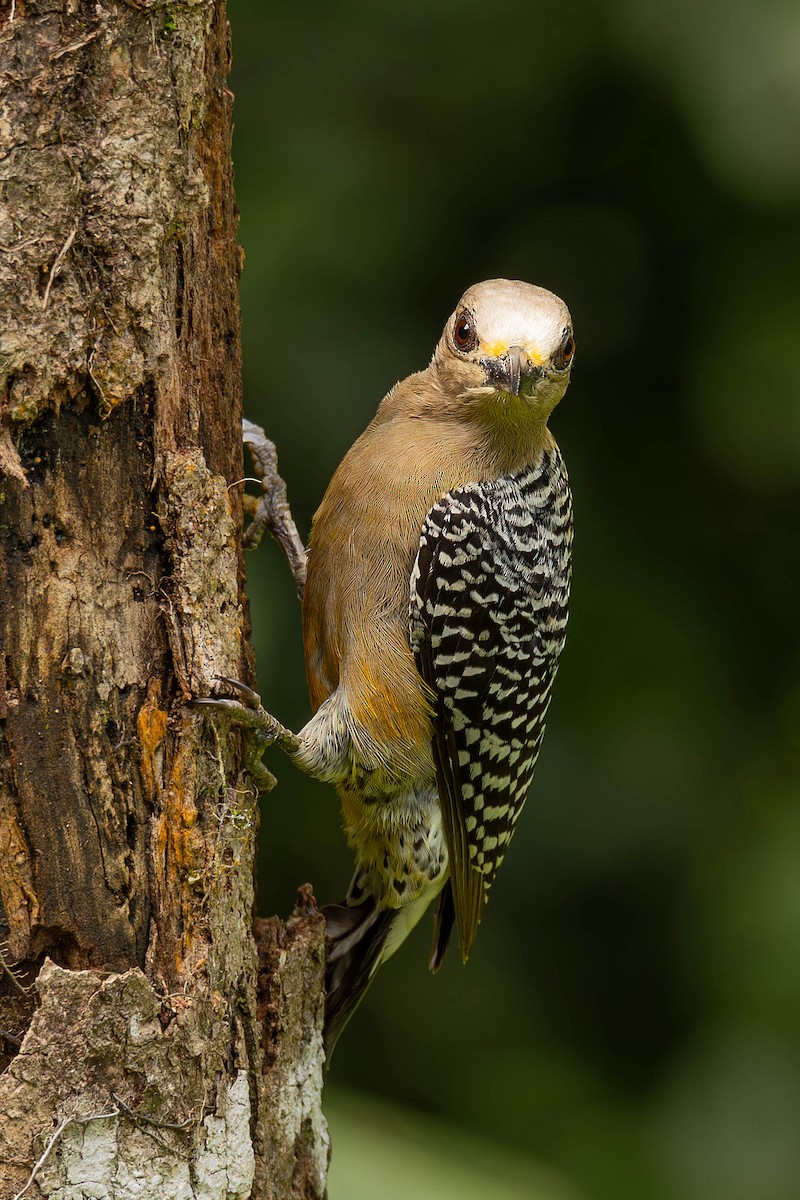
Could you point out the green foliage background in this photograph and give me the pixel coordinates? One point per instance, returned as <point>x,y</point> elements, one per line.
<point>629,1022</point>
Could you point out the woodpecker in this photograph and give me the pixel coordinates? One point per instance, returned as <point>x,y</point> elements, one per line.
<point>434,616</point>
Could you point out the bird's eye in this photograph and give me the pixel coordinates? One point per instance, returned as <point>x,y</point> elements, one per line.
<point>564,355</point>
<point>464,334</point>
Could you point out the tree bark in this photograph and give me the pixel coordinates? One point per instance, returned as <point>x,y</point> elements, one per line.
<point>151,1047</point>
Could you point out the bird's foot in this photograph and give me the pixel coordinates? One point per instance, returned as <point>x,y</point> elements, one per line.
<point>261,729</point>
<point>271,511</point>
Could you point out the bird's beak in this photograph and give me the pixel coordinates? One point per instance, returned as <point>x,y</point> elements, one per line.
<point>508,372</point>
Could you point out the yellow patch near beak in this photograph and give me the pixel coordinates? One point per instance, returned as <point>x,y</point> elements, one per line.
<point>499,349</point>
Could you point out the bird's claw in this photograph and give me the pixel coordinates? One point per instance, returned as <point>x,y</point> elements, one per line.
<point>247,694</point>
<point>261,729</point>
<point>244,709</point>
<point>271,511</point>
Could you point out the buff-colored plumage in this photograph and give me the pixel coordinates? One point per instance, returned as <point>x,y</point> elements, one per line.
<point>477,414</point>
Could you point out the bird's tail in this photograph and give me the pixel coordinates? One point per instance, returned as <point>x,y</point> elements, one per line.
<point>355,937</point>
<point>359,937</point>
<point>442,927</point>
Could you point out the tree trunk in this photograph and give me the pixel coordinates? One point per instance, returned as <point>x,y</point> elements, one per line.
<point>151,1048</point>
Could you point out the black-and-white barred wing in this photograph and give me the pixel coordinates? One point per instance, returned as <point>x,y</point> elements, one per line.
<point>489,594</point>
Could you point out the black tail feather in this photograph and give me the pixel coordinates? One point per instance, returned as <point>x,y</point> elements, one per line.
<point>442,927</point>
<point>355,935</point>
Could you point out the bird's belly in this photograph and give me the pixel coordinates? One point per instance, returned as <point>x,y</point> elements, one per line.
<point>398,842</point>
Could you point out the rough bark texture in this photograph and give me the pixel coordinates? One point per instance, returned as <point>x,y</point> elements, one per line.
<point>130,982</point>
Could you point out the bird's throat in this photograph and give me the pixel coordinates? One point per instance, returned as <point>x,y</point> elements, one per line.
<point>513,431</point>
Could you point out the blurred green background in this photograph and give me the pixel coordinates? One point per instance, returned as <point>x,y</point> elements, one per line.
<point>629,1025</point>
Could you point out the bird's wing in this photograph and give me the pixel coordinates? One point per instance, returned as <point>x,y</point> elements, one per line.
<point>489,595</point>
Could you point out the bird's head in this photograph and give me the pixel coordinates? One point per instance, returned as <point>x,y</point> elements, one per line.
<point>506,351</point>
